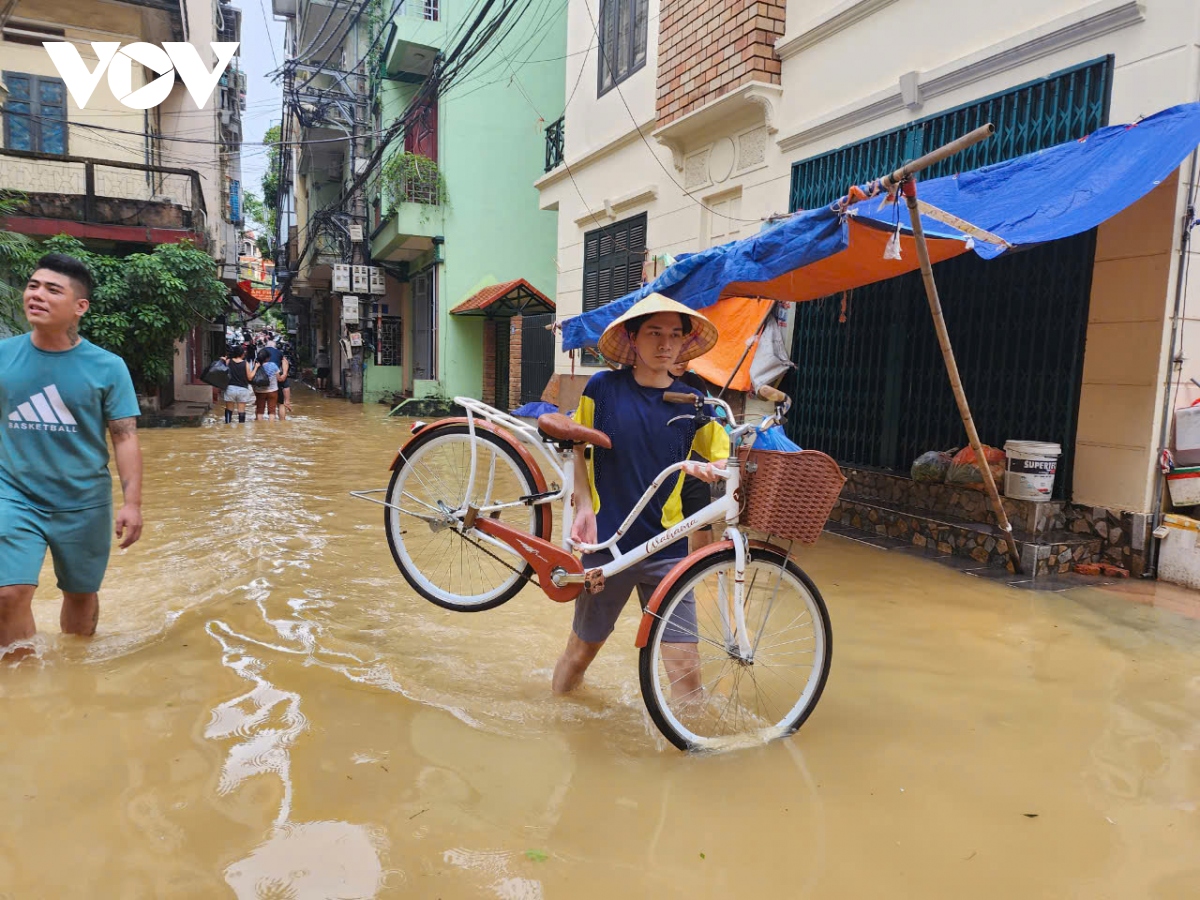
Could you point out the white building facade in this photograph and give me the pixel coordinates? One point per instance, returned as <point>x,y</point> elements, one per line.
<point>690,151</point>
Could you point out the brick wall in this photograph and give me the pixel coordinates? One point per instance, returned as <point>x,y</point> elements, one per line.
<point>707,48</point>
<point>489,364</point>
<point>514,362</point>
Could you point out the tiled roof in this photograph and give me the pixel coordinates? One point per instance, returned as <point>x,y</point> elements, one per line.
<point>509,298</point>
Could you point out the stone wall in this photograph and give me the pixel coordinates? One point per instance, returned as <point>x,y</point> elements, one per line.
<point>707,48</point>
<point>1052,536</point>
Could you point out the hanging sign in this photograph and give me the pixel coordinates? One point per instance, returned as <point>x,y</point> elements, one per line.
<point>356,339</point>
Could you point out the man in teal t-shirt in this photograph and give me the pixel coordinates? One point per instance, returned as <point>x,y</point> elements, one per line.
<point>59,393</point>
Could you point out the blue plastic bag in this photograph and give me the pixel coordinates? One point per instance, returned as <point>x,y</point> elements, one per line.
<point>774,439</point>
<point>535,409</point>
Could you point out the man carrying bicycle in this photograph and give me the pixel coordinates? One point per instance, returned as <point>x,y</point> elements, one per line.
<point>628,405</point>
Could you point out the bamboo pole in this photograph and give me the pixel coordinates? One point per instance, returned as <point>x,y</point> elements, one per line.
<point>909,189</point>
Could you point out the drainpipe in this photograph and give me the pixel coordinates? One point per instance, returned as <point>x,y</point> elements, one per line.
<point>1174,370</point>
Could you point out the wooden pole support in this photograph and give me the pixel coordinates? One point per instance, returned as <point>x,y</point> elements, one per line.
<point>909,189</point>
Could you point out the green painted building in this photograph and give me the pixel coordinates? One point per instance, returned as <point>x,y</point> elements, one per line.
<point>454,217</point>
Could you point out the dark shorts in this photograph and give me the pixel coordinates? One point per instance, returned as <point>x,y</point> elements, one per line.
<point>323,372</point>
<point>596,614</point>
<point>79,542</point>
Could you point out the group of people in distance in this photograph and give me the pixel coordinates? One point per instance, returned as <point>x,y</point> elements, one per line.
<point>260,372</point>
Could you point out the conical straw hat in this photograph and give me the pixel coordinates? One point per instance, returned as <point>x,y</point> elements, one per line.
<point>615,344</point>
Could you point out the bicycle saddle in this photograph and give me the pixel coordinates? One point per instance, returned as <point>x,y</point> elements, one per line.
<point>560,428</point>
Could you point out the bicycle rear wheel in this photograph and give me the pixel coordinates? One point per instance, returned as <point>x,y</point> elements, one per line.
<point>701,691</point>
<point>462,572</point>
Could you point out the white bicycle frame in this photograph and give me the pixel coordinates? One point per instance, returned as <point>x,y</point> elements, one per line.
<point>726,508</point>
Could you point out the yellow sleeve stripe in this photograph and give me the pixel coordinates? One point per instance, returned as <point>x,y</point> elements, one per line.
<point>672,513</point>
<point>585,415</point>
<point>711,442</point>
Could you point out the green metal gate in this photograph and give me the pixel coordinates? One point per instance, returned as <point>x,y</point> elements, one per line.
<point>871,387</point>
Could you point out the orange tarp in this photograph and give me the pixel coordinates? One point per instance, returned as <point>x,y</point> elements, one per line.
<point>860,263</point>
<point>737,320</point>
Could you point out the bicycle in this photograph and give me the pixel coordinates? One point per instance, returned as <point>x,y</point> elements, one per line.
<point>469,521</point>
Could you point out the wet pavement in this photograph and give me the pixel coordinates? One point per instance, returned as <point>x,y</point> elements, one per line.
<point>268,712</point>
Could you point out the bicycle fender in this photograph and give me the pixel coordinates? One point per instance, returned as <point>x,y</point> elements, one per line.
<point>664,587</point>
<point>542,555</point>
<point>521,449</point>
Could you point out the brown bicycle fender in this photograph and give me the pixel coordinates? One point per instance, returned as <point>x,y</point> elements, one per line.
<point>539,480</point>
<point>660,593</point>
<point>542,555</point>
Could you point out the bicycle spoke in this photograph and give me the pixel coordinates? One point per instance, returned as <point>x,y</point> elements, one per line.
<point>755,698</point>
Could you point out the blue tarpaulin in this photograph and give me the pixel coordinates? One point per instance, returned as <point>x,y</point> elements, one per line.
<point>1054,193</point>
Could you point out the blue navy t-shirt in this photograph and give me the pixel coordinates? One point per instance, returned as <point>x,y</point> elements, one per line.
<point>636,417</point>
<point>54,409</point>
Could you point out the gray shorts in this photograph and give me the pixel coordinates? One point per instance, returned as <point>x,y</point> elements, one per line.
<point>596,614</point>
<point>238,395</point>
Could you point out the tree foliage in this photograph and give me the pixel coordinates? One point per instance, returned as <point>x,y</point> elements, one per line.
<point>13,250</point>
<point>142,303</point>
<point>270,189</point>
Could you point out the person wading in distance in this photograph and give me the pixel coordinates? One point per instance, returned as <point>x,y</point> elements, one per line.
<point>629,407</point>
<point>58,395</point>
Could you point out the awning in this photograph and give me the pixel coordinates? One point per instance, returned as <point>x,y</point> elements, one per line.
<point>1054,193</point>
<point>510,298</point>
<point>251,295</point>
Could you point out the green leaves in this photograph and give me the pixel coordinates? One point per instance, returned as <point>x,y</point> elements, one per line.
<point>142,303</point>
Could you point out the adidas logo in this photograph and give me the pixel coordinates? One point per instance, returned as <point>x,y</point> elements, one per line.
<point>44,411</point>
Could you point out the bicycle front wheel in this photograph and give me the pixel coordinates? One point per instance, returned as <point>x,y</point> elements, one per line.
<point>462,572</point>
<point>708,682</point>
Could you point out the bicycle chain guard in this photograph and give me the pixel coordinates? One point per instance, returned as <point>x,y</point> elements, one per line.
<point>542,555</point>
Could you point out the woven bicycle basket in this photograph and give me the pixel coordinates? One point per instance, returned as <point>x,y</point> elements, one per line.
<point>789,495</point>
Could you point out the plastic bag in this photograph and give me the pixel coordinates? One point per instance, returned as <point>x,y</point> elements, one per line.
<point>932,466</point>
<point>216,373</point>
<point>774,439</point>
<point>964,470</point>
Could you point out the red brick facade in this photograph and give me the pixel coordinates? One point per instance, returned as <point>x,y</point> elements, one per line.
<point>489,363</point>
<point>514,362</point>
<point>707,48</point>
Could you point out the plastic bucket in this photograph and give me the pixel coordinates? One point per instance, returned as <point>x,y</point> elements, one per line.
<point>1030,469</point>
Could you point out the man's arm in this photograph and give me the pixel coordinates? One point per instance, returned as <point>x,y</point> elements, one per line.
<point>583,525</point>
<point>129,467</point>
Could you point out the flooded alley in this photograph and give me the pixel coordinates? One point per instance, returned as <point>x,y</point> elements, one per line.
<point>269,711</point>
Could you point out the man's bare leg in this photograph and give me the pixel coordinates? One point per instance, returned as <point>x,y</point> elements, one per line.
<point>568,672</point>
<point>16,618</point>
<point>80,613</point>
<point>682,662</point>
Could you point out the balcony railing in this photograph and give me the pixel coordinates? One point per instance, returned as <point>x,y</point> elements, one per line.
<point>554,144</point>
<point>104,191</point>
<point>412,178</point>
<point>419,9</point>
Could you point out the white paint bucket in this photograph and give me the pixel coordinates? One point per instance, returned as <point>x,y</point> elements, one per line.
<point>1031,466</point>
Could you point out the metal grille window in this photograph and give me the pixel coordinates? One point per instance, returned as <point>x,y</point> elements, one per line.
<point>871,385</point>
<point>612,265</point>
<point>554,144</point>
<point>622,41</point>
<point>35,114</point>
<point>389,341</point>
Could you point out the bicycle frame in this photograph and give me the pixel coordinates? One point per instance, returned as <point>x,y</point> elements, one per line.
<point>541,554</point>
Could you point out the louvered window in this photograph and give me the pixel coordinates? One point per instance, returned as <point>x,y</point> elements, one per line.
<point>612,262</point>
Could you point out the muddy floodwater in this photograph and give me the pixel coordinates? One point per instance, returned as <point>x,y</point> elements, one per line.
<point>268,711</point>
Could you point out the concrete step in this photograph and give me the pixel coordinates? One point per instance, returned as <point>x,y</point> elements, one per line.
<point>1048,553</point>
